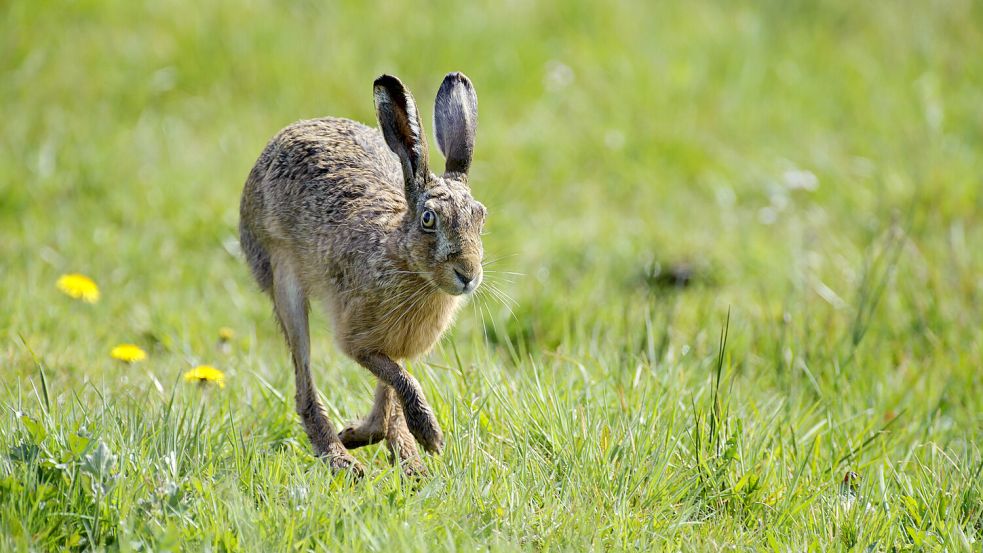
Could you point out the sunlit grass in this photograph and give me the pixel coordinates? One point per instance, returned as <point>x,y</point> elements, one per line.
<point>733,278</point>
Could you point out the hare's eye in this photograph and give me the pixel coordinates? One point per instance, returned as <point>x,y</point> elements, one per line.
<point>428,220</point>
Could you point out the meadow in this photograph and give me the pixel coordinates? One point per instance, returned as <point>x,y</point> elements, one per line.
<point>737,299</point>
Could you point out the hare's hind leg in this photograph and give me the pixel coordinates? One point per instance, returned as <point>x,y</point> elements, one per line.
<point>372,428</point>
<point>402,446</point>
<point>291,306</point>
<point>386,421</point>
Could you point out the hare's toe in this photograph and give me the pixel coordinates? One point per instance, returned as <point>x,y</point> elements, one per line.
<point>345,463</point>
<point>413,468</point>
<point>404,455</point>
<point>358,435</point>
<point>338,458</point>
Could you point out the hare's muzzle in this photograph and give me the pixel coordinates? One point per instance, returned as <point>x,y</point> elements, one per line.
<point>467,277</point>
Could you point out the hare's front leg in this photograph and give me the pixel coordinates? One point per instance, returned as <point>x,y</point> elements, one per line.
<point>290,304</point>
<point>419,417</point>
<point>386,421</point>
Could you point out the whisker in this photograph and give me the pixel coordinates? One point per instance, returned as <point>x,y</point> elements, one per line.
<point>494,324</point>
<point>505,299</point>
<point>420,294</point>
<point>370,285</point>
<point>479,320</point>
<point>499,278</point>
<point>402,296</point>
<point>497,259</point>
<point>501,294</point>
<point>505,273</point>
<point>399,272</point>
<point>414,298</point>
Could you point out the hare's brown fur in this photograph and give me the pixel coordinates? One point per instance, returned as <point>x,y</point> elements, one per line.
<point>325,204</point>
<point>332,211</point>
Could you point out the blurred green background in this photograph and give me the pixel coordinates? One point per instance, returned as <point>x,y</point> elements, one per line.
<point>811,168</point>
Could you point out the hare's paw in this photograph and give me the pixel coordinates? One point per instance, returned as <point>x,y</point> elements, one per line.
<point>341,461</point>
<point>413,468</point>
<point>346,463</point>
<point>360,434</point>
<point>423,425</point>
<point>403,452</point>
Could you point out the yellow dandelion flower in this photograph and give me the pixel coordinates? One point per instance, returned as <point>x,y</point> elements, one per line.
<point>128,353</point>
<point>226,334</point>
<point>79,287</point>
<point>205,373</point>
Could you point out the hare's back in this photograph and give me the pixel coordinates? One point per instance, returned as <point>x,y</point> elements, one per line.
<point>328,172</point>
<point>316,150</point>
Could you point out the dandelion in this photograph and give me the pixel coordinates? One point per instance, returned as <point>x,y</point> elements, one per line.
<point>79,287</point>
<point>225,337</point>
<point>205,373</point>
<point>226,334</point>
<point>128,353</point>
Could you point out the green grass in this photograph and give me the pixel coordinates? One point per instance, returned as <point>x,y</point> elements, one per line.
<point>605,411</point>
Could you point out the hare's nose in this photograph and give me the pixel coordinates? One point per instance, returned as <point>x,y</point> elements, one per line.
<point>468,282</point>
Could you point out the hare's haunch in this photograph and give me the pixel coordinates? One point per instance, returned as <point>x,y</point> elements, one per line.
<point>339,212</point>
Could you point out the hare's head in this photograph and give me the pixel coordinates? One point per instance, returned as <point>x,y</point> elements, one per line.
<point>443,222</point>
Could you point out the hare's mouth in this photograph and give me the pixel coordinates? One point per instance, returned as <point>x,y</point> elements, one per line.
<point>457,280</point>
<point>468,283</point>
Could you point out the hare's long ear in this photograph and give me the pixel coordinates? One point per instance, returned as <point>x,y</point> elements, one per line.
<point>400,123</point>
<point>456,114</point>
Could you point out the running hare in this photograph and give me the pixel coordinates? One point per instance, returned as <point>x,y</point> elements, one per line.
<point>330,212</point>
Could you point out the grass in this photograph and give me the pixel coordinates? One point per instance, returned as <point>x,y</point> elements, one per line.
<point>812,168</point>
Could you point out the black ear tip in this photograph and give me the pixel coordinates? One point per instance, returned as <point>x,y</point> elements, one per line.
<point>457,77</point>
<point>388,82</point>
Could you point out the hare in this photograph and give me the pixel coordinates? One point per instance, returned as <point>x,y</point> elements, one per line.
<point>339,212</point>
